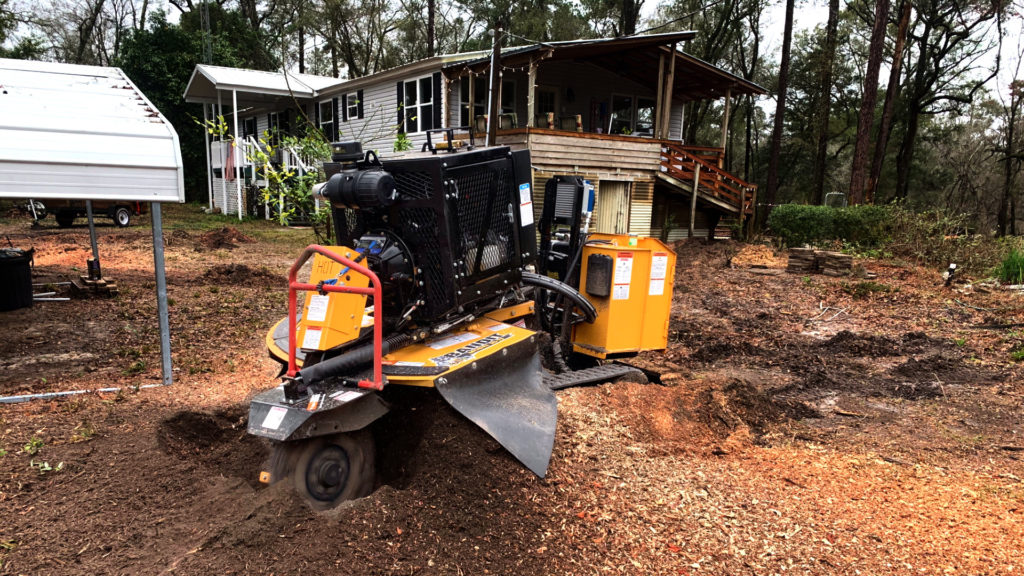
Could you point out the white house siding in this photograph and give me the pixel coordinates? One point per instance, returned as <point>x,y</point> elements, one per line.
<point>377,128</point>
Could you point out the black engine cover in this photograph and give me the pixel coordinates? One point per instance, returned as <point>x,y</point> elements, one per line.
<point>461,216</point>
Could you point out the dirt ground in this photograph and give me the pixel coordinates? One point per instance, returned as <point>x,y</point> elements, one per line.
<point>803,424</point>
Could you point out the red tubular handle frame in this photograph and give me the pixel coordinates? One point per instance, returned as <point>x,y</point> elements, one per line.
<point>375,291</point>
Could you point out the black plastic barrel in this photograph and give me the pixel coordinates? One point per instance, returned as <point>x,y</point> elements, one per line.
<point>15,278</point>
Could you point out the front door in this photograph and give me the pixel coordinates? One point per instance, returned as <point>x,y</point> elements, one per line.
<point>613,207</point>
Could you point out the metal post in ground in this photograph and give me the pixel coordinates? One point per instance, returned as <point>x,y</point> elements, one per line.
<point>161,292</point>
<point>92,239</point>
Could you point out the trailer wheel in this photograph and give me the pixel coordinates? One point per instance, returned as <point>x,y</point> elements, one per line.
<point>65,218</point>
<point>122,216</point>
<point>332,469</point>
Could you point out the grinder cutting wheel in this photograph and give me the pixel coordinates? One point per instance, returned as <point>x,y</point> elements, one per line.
<point>432,285</point>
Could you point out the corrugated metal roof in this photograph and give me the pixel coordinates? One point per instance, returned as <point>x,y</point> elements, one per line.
<point>72,131</point>
<point>207,79</point>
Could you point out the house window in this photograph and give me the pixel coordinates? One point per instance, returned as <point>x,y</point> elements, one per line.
<point>508,97</point>
<point>248,128</point>
<point>274,127</point>
<point>327,120</point>
<point>419,105</point>
<point>645,116</point>
<point>621,121</point>
<point>352,106</point>
<point>480,97</point>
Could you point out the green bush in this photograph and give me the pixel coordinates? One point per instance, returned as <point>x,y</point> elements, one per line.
<point>799,224</point>
<point>1011,269</point>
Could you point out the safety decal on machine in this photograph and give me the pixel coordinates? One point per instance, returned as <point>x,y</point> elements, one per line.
<point>342,396</point>
<point>468,352</point>
<point>312,338</point>
<point>525,204</point>
<point>317,309</point>
<point>659,268</point>
<point>623,275</point>
<point>450,341</point>
<point>274,418</point>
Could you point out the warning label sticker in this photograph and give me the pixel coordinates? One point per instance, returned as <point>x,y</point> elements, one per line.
<point>312,338</point>
<point>659,268</point>
<point>317,309</point>
<point>274,418</point>
<point>525,204</point>
<point>450,341</point>
<point>623,275</point>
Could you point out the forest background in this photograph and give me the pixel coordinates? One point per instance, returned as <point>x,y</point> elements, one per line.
<point>916,102</point>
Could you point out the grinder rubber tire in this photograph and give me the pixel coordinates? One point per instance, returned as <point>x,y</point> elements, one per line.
<point>331,469</point>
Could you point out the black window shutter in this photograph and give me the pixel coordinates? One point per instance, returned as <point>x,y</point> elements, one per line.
<point>437,100</point>
<point>316,113</point>
<point>359,98</point>
<point>401,108</point>
<point>337,129</point>
<point>344,107</point>
<point>268,126</point>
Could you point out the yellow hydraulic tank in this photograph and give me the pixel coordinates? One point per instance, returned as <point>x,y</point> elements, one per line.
<point>629,280</point>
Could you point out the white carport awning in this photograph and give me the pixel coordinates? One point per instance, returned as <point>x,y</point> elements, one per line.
<point>83,132</point>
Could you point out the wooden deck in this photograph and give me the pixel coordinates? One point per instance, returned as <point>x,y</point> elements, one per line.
<point>615,156</point>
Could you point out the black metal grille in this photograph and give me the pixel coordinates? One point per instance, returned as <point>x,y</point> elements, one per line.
<point>420,233</point>
<point>484,226</point>
<point>350,225</point>
<point>414,184</point>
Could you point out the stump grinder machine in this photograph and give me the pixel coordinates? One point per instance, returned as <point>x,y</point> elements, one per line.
<point>438,282</point>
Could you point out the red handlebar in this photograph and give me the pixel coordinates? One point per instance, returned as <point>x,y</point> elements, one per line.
<point>293,287</point>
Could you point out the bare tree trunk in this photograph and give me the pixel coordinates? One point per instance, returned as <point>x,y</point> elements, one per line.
<point>867,105</point>
<point>86,29</point>
<point>825,102</point>
<point>1006,218</point>
<point>302,50</point>
<point>431,9</point>
<point>891,91</point>
<point>772,187</point>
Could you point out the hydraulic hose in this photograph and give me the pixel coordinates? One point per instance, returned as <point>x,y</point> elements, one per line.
<point>351,360</point>
<point>548,283</point>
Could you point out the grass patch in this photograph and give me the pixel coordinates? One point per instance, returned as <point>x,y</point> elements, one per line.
<point>1011,269</point>
<point>1018,354</point>
<point>866,289</point>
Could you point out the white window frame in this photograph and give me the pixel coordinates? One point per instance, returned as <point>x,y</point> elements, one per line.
<point>329,121</point>
<point>352,105</point>
<point>416,109</point>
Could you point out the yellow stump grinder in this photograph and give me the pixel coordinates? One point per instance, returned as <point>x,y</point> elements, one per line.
<point>438,282</point>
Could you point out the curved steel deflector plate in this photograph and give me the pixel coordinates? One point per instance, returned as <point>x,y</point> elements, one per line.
<point>504,394</point>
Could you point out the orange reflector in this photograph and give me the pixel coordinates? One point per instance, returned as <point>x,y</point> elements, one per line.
<point>264,477</point>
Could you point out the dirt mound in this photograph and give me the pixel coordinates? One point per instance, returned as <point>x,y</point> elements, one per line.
<point>218,441</point>
<point>740,404</point>
<point>240,273</point>
<point>226,238</point>
<point>756,256</point>
<point>714,351</point>
<point>178,238</point>
<point>871,345</point>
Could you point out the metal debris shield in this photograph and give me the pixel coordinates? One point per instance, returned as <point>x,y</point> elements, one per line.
<point>504,393</point>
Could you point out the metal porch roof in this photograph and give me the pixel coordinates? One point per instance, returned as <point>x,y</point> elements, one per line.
<point>257,85</point>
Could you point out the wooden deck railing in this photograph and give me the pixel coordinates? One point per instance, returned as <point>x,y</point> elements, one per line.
<point>680,162</point>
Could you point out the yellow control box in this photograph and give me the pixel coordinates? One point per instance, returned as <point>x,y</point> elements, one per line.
<point>629,280</point>
<point>332,319</point>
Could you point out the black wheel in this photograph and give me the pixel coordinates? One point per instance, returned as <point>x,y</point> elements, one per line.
<point>122,216</point>
<point>332,469</point>
<point>65,219</point>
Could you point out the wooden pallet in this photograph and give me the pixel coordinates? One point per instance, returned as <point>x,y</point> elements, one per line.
<point>84,284</point>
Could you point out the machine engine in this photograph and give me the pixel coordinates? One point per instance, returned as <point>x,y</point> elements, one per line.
<point>445,234</point>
